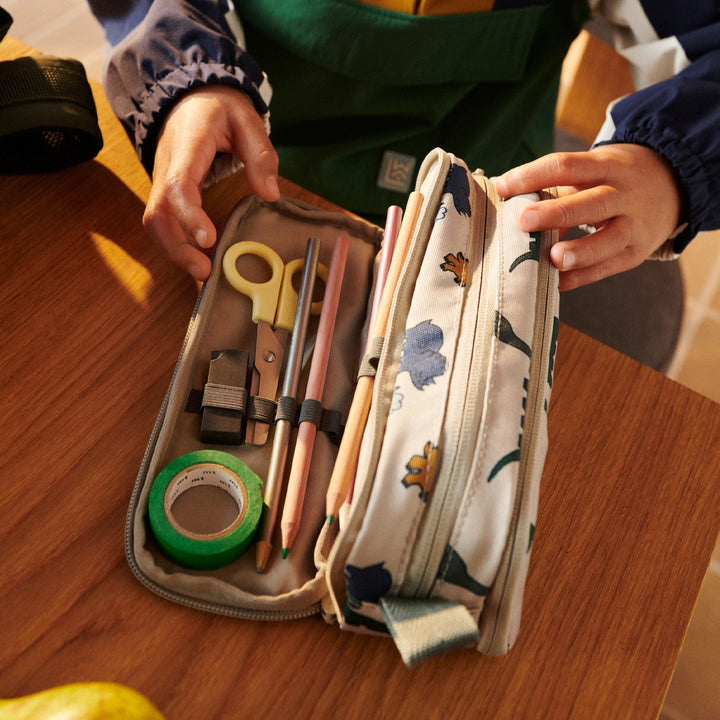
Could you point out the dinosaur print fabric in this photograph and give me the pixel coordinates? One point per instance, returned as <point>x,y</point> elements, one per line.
<point>452,456</point>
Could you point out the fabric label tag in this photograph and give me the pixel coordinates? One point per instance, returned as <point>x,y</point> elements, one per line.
<point>396,172</point>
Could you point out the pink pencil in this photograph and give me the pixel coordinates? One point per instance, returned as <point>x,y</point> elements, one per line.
<point>392,227</point>
<point>297,483</point>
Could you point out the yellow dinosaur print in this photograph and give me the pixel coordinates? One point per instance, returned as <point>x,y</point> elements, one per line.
<point>421,471</point>
<point>457,265</point>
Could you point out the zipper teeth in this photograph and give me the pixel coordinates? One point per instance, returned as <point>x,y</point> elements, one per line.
<point>179,598</point>
<point>448,496</point>
<point>536,383</point>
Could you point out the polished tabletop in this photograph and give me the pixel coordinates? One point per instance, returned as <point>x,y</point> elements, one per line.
<point>93,317</point>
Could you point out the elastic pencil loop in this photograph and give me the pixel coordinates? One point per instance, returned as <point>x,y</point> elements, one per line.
<point>261,409</point>
<point>287,409</point>
<point>325,420</point>
<point>311,411</point>
<point>227,397</point>
<point>369,363</point>
<point>331,425</point>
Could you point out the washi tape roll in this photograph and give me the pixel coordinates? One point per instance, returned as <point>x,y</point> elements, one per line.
<point>202,480</point>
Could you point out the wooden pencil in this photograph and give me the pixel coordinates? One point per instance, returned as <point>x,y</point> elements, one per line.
<point>302,455</point>
<point>349,449</point>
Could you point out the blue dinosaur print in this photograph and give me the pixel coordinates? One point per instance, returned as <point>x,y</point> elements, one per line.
<point>397,400</point>
<point>442,212</point>
<point>453,569</point>
<point>367,584</point>
<point>421,357</point>
<point>458,186</point>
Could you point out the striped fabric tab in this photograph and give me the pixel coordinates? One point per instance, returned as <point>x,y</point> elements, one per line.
<point>425,628</point>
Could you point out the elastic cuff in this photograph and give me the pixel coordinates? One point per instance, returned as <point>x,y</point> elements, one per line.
<point>166,92</point>
<point>695,182</point>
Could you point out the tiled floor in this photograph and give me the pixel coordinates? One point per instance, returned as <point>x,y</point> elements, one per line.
<point>66,28</point>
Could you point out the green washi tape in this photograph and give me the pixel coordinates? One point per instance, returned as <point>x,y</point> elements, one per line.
<point>205,471</point>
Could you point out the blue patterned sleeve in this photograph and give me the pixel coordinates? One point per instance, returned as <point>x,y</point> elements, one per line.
<point>680,119</point>
<point>159,50</point>
<point>674,53</point>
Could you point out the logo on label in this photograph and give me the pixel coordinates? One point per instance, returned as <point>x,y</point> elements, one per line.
<point>396,171</point>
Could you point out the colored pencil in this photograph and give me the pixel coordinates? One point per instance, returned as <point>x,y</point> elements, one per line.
<point>302,455</point>
<point>349,449</point>
<point>278,456</point>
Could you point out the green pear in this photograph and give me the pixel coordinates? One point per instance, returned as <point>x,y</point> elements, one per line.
<point>81,701</point>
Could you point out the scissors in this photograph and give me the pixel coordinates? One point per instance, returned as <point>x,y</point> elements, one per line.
<point>274,303</point>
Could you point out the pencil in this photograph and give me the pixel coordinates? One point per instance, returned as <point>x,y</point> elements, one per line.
<point>271,498</point>
<point>302,456</point>
<point>392,227</point>
<point>349,449</point>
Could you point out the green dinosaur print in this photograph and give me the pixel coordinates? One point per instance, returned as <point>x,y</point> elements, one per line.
<point>532,254</point>
<point>453,569</point>
<point>513,455</point>
<point>504,332</point>
<point>553,350</point>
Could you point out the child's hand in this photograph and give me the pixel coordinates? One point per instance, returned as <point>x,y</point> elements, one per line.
<point>210,120</point>
<point>628,192</point>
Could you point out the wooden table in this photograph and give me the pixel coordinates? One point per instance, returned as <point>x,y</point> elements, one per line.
<point>93,318</point>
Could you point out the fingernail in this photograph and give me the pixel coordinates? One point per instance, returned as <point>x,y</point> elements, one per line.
<point>568,260</point>
<point>501,186</point>
<point>201,238</point>
<point>529,220</point>
<point>272,185</point>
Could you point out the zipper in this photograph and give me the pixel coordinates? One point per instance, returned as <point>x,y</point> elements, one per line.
<point>444,507</point>
<point>459,440</point>
<point>516,557</point>
<point>148,583</point>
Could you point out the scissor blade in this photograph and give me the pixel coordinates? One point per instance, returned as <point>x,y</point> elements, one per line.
<point>269,352</point>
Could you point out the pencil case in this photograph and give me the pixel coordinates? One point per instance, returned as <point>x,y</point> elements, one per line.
<point>432,544</point>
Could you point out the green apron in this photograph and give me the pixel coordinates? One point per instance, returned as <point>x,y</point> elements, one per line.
<point>362,94</point>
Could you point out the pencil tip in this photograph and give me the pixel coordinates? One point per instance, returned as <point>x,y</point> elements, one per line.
<point>261,556</point>
<point>284,553</point>
<point>330,519</point>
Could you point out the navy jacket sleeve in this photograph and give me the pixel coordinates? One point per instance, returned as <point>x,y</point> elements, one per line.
<point>679,116</point>
<point>160,50</point>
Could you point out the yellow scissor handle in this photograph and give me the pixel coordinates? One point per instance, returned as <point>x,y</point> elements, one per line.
<point>288,300</point>
<point>275,300</point>
<point>264,295</point>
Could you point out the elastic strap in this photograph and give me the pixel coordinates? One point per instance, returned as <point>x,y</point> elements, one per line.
<point>227,397</point>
